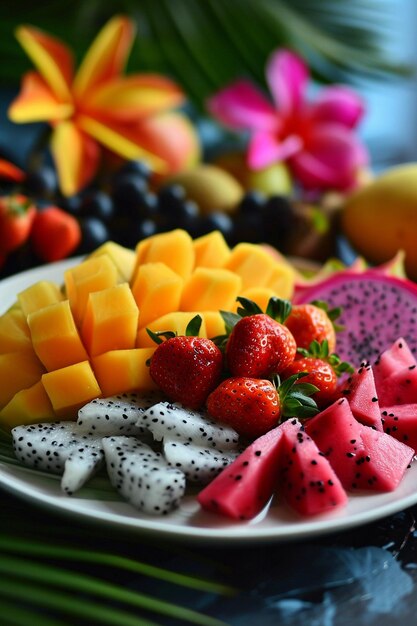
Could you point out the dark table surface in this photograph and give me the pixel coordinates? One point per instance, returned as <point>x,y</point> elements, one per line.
<point>365,576</point>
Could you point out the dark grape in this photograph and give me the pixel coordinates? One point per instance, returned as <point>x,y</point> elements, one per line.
<point>252,201</point>
<point>171,198</point>
<point>139,168</point>
<point>279,220</point>
<point>146,228</point>
<point>94,233</point>
<point>219,221</point>
<point>248,227</point>
<point>128,192</point>
<point>98,204</point>
<point>148,205</point>
<point>41,182</point>
<point>71,204</point>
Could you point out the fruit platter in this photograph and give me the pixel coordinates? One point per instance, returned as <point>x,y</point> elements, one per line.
<point>163,431</point>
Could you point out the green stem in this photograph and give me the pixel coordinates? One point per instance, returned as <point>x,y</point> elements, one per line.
<point>30,548</point>
<point>18,616</point>
<point>50,575</point>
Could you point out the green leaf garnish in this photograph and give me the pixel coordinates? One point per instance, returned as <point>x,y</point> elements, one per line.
<point>193,326</point>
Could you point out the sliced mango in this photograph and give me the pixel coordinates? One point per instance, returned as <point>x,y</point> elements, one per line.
<point>69,388</point>
<point>119,371</point>
<point>282,280</point>
<point>39,295</point>
<point>253,264</point>
<point>211,250</point>
<point>214,323</point>
<point>91,275</point>
<point>176,321</point>
<point>157,290</point>
<point>18,370</point>
<point>110,320</point>
<point>210,289</point>
<point>259,295</point>
<point>55,336</point>
<point>14,332</point>
<point>174,248</point>
<point>27,406</point>
<point>123,258</point>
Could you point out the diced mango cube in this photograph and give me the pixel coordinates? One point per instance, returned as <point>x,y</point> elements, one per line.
<point>27,406</point>
<point>157,290</point>
<point>91,275</point>
<point>282,280</point>
<point>119,371</point>
<point>174,248</point>
<point>110,320</point>
<point>211,250</point>
<point>210,289</point>
<point>253,264</point>
<point>14,332</point>
<point>39,295</point>
<point>55,336</point>
<point>123,258</point>
<point>214,323</point>
<point>18,370</point>
<point>259,295</point>
<point>69,388</point>
<point>176,321</point>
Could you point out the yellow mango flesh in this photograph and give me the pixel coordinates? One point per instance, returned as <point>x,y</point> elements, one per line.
<point>156,290</point>
<point>119,371</point>
<point>210,289</point>
<point>214,323</point>
<point>18,370</point>
<point>259,295</point>
<point>174,248</point>
<point>55,337</point>
<point>110,320</point>
<point>28,406</point>
<point>177,322</point>
<point>253,264</point>
<point>91,275</point>
<point>39,295</point>
<point>123,258</point>
<point>14,332</point>
<point>211,250</point>
<point>69,388</point>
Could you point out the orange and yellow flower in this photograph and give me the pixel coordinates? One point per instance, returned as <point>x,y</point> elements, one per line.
<point>132,116</point>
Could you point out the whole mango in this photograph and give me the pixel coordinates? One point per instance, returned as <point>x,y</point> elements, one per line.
<point>381,218</point>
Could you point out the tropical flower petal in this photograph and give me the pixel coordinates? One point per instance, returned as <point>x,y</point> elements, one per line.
<point>76,157</point>
<point>339,104</point>
<point>106,56</point>
<point>37,103</point>
<point>132,98</point>
<point>331,159</point>
<point>172,137</point>
<point>242,106</point>
<point>265,148</point>
<point>9,171</point>
<point>51,57</point>
<point>287,76</point>
<point>120,139</point>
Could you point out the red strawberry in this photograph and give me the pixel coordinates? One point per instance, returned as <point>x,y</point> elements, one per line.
<point>309,322</point>
<point>186,368</point>
<point>253,406</point>
<point>321,368</point>
<point>17,213</point>
<point>55,234</point>
<point>258,345</point>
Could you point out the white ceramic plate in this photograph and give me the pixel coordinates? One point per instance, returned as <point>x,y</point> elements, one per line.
<point>98,503</point>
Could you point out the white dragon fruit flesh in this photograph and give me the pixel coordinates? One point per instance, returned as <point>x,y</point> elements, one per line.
<point>376,310</point>
<point>198,463</point>
<point>117,415</point>
<point>142,476</point>
<point>59,448</point>
<point>173,421</point>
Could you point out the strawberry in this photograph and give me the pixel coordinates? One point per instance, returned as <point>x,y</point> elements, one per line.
<point>322,369</point>
<point>259,345</point>
<point>9,171</point>
<point>186,368</point>
<point>55,234</point>
<point>17,214</point>
<point>253,406</point>
<point>313,322</point>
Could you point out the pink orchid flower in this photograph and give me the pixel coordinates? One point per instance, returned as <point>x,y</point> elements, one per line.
<point>317,140</point>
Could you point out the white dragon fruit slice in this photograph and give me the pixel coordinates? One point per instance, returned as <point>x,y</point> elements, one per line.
<point>199,464</point>
<point>142,476</point>
<point>173,421</point>
<point>59,448</point>
<point>117,415</point>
